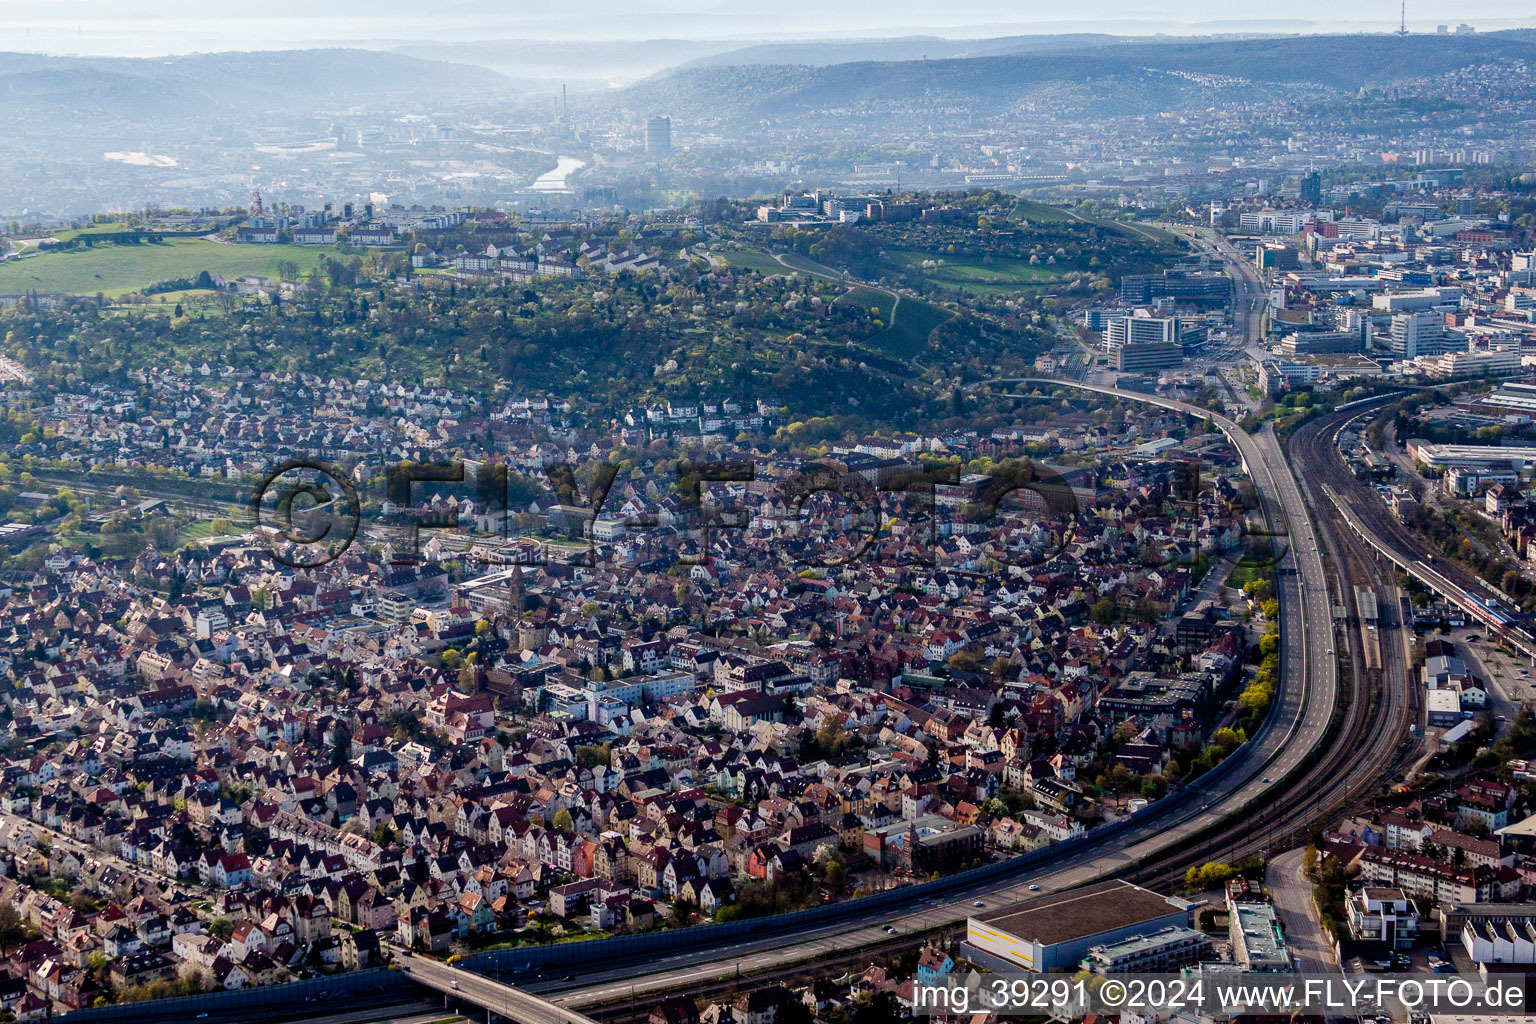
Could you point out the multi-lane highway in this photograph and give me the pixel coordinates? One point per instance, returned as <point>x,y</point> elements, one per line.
<point>1284,746</point>
<point>1285,749</point>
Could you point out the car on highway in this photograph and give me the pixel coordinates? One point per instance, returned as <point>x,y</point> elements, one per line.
<point>890,930</point>
<point>978,903</point>
<point>455,984</point>
<point>1265,780</point>
<point>1034,888</point>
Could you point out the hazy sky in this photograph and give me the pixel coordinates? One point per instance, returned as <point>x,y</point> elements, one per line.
<point>151,27</point>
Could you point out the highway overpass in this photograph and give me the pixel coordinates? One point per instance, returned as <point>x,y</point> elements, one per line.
<point>502,1000</point>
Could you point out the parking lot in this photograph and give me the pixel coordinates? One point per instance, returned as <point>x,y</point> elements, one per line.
<point>1508,676</point>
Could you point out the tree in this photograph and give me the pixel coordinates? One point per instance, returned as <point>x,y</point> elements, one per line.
<point>341,749</point>
<point>880,1009</point>
<point>13,929</point>
<point>1208,876</point>
<point>1103,611</point>
<point>682,912</point>
<point>563,819</point>
<point>792,1010</point>
<point>995,717</point>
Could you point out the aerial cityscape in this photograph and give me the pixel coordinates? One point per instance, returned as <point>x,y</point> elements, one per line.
<point>669,514</point>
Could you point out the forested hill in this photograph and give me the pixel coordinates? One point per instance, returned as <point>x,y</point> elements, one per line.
<point>1147,75</point>
<point>848,51</point>
<point>89,89</point>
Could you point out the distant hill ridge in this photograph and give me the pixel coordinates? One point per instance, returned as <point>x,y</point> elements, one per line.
<point>1342,62</point>
<point>850,51</point>
<point>88,89</point>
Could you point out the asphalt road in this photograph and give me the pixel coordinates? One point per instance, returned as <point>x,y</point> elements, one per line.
<point>503,1000</point>
<point>1306,697</point>
<point>1304,934</point>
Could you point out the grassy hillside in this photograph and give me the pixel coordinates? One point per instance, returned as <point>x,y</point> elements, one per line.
<point>975,274</point>
<point>117,269</point>
<point>752,259</point>
<point>1038,213</point>
<point>909,321</point>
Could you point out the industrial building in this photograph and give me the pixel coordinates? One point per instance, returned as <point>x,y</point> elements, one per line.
<point>1422,299</point>
<point>1442,708</point>
<point>1509,398</point>
<point>1471,456</point>
<point>1058,931</point>
<point>1492,932</point>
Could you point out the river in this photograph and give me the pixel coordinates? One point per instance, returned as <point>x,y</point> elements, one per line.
<point>555,180</point>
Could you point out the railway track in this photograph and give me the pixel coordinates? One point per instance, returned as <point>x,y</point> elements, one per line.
<point>1366,742</point>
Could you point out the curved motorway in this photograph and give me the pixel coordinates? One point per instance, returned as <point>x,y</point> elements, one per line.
<point>1283,747</point>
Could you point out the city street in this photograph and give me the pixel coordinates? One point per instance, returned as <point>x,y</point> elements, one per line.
<point>1304,934</point>
<point>159,883</point>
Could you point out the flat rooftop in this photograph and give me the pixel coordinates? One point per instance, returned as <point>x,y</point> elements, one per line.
<point>1261,934</point>
<point>1068,916</point>
<point>1147,942</point>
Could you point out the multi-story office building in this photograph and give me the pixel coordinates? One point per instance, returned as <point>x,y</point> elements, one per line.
<point>1422,334</point>
<point>1139,357</point>
<point>1140,328</point>
<point>1498,362</point>
<point>1384,915</point>
<point>1188,285</point>
<point>1273,222</point>
<point>1322,343</point>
